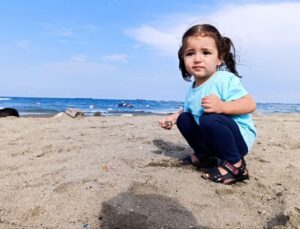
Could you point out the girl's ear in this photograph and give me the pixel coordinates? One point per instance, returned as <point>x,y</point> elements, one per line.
<point>220,65</point>
<point>220,62</point>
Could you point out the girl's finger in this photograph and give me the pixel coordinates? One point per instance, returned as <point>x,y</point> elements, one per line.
<point>162,122</point>
<point>208,110</point>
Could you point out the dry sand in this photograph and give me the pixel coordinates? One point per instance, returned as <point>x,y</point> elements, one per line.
<point>122,172</point>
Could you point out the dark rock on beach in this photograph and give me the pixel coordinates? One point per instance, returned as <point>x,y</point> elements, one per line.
<point>9,112</point>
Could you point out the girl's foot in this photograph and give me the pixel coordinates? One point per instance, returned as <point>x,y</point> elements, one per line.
<point>205,163</point>
<point>190,160</point>
<point>228,173</point>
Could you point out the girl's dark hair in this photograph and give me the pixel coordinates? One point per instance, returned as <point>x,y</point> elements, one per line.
<point>225,47</point>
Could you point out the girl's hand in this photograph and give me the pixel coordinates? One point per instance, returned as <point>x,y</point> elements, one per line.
<point>212,104</point>
<point>168,122</point>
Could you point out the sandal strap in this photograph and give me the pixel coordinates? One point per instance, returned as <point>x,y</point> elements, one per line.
<point>233,174</point>
<point>234,171</point>
<point>214,175</point>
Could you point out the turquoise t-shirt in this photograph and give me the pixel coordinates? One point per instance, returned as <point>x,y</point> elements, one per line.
<point>227,87</point>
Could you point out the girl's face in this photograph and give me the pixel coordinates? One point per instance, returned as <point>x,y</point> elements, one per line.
<point>201,58</point>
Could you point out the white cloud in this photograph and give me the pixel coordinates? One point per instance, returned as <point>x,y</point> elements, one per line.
<point>255,24</point>
<point>79,58</point>
<point>262,25</point>
<point>59,30</point>
<point>25,44</point>
<point>65,33</point>
<point>77,65</point>
<point>78,32</point>
<point>119,58</point>
<point>91,28</point>
<point>162,40</point>
<point>266,37</point>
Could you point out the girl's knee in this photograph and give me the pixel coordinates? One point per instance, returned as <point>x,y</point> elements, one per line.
<point>209,120</point>
<point>184,117</point>
<point>185,121</point>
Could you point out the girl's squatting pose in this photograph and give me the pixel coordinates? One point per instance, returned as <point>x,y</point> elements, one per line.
<point>215,120</point>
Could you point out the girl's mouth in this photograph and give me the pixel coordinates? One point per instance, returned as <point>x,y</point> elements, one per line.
<point>198,68</point>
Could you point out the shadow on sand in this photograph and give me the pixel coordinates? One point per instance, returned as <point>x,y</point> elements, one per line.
<point>129,210</point>
<point>171,149</point>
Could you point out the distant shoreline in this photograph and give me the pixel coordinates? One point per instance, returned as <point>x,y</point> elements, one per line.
<point>88,116</point>
<point>255,115</point>
<point>51,106</point>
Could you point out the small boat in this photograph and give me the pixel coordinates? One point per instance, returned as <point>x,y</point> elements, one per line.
<point>123,104</point>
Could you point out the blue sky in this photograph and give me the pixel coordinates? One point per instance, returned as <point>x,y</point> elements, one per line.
<point>127,49</point>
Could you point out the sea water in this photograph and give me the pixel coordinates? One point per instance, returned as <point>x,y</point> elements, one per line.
<point>52,106</point>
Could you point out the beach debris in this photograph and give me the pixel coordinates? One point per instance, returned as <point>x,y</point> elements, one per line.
<point>127,115</point>
<point>41,154</point>
<point>61,115</point>
<point>261,212</point>
<point>278,194</point>
<point>164,163</point>
<point>98,114</point>
<point>263,160</point>
<point>290,166</point>
<point>85,226</point>
<point>224,192</point>
<point>74,113</point>
<point>104,168</point>
<point>9,112</point>
<point>157,151</point>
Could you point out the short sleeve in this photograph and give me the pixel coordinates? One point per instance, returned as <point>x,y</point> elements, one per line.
<point>185,104</point>
<point>185,107</point>
<point>232,88</point>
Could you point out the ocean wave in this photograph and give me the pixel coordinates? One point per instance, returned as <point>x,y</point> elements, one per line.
<point>110,107</point>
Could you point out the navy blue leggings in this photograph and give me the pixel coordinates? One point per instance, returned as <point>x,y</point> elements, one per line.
<point>217,135</point>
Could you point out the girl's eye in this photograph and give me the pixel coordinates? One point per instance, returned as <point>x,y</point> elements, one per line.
<point>206,53</point>
<point>189,54</point>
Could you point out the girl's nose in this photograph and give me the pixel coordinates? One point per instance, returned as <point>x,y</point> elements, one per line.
<point>198,58</point>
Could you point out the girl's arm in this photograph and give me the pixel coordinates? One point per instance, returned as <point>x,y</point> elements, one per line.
<point>168,122</point>
<point>243,105</point>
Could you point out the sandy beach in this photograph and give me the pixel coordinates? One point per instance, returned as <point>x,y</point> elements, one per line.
<point>123,172</point>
